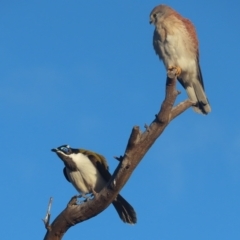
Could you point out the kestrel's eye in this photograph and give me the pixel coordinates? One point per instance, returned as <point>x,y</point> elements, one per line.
<point>65,149</point>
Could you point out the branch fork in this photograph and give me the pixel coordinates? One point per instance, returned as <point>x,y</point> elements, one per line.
<point>137,146</point>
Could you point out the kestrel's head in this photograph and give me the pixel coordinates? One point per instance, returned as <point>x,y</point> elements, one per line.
<point>159,12</point>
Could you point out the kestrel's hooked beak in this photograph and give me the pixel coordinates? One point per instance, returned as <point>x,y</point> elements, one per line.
<point>151,20</point>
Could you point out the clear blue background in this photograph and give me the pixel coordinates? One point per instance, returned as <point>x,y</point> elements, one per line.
<point>84,73</point>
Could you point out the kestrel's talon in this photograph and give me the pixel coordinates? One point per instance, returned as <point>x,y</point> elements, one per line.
<point>177,70</point>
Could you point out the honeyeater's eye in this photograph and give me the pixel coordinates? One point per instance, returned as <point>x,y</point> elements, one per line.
<point>65,149</point>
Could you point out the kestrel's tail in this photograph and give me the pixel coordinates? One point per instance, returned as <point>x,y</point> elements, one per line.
<point>196,94</point>
<point>125,210</point>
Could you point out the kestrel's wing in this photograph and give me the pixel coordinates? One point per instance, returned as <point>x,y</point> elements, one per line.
<point>200,78</point>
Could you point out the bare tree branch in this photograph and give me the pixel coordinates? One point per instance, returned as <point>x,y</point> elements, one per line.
<point>46,220</point>
<point>138,145</point>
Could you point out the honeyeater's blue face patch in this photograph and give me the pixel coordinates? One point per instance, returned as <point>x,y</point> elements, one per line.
<point>66,149</point>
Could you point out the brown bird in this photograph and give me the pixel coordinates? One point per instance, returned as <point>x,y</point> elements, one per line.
<point>175,42</point>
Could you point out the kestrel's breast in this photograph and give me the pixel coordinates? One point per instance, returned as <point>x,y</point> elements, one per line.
<point>174,46</point>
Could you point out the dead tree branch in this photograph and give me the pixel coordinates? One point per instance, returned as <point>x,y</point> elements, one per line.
<point>138,145</point>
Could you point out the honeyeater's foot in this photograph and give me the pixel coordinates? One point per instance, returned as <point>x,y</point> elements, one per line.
<point>94,193</point>
<point>177,70</point>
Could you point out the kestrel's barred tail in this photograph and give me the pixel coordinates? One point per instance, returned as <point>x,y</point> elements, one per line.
<point>196,94</point>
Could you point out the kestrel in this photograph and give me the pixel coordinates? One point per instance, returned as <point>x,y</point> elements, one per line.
<point>175,42</point>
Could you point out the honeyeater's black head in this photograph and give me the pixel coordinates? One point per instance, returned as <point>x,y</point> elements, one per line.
<point>65,149</point>
<point>67,155</point>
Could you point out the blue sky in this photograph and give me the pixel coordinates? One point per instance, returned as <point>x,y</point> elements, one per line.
<point>84,74</point>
